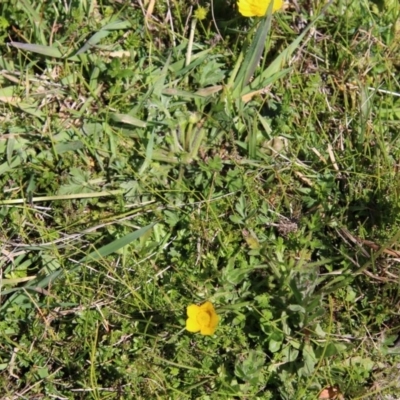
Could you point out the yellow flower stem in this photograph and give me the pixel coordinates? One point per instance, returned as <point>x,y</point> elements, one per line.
<point>191,39</point>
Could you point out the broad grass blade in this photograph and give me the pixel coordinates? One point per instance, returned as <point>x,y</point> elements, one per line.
<point>117,244</point>
<point>40,283</point>
<point>128,119</point>
<point>254,53</point>
<point>275,69</point>
<point>93,41</point>
<point>103,33</point>
<point>47,51</point>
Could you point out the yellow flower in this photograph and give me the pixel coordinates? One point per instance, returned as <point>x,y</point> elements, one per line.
<point>202,318</point>
<point>200,13</point>
<point>257,8</point>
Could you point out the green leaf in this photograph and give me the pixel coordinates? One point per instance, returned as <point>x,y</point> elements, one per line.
<point>8,166</point>
<point>309,360</point>
<point>61,148</point>
<point>296,308</point>
<point>275,69</point>
<point>103,33</point>
<point>42,282</point>
<point>117,25</point>
<point>182,93</point>
<point>275,341</point>
<point>250,368</point>
<point>256,49</point>
<point>94,39</point>
<point>289,354</point>
<point>149,154</point>
<point>127,119</point>
<point>47,51</point>
<point>117,244</point>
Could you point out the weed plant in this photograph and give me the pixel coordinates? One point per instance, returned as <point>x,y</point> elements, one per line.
<point>157,154</point>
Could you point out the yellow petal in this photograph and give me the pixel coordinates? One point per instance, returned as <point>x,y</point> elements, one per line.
<point>207,330</point>
<point>210,327</point>
<point>192,325</point>
<point>192,311</point>
<point>204,318</point>
<point>257,8</point>
<point>214,320</point>
<point>208,307</point>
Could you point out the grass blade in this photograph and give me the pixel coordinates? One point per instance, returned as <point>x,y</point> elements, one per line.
<point>47,51</point>
<point>42,282</point>
<point>253,53</point>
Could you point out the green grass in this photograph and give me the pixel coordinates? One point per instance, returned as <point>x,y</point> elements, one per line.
<point>139,178</point>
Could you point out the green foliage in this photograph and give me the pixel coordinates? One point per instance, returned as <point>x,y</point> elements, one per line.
<point>261,176</point>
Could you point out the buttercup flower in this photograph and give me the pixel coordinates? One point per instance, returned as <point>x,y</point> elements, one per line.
<point>200,13</point>
<point>202,318</point>
<point>257,8</point>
